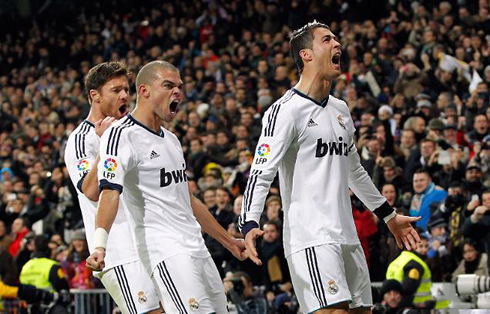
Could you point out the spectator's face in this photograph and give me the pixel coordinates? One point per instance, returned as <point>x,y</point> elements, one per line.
<point>373,147</point>
<point>423,247</point>
<point>469,253</point>
<point>113,97</point>
<point>222,139</point>
<point>450,135</point>
<point>246,119</point>
<point>389,173</point>
<point>242,132</point>
<point>164,93</point>
<point>389,192</point>
<point>473,175</point>
<point>209,198</point>
<point>79,245</point>
<point>237,205</point>
<point>17,225</point>
<point>419,125</point>
<point>2,228</point>
<point>408,139</point>
<point>427,149</point>
<point>222,198</point>
<point>421,182</point>
<point>195,146</point>
<point>486,199</point>
<point>273,211</point>
<point>481,124</point>
<point>392,298</point>
<point>438,231</point>
<point>366,119</point>
<point>270,233</point>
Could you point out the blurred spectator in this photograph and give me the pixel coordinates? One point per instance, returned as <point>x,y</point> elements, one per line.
<point>244,299</point>
<point>473,262</point>
<point>75,266</point>
<point>19,231</point>
<point>426,194</point>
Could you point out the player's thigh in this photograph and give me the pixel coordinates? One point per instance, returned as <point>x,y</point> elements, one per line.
<point>131,288</point>
<point>214,284</point>
<point>318,277</point>
<point>185,287</point>
<point>340,308</point>
<point>357,274</point>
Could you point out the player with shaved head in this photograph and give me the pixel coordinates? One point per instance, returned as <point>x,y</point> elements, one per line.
<point>143,163</point>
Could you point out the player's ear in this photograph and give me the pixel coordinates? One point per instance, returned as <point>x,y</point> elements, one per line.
<point>94,95</point>
<point>143,90</point>
<point>305,54</point>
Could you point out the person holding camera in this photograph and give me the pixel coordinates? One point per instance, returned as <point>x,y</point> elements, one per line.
<point>242,295</point>
<point>477,226</point>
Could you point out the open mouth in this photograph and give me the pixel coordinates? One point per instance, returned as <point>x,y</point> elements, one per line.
<point>336,59</point>
<point>123,109</point>
<point>174,104</point>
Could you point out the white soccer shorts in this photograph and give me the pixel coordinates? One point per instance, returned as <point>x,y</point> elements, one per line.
<point>329,274</point>
<point>131,288</point>
<point>190,285</point>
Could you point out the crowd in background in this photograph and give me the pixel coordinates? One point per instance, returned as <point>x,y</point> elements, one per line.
<point>416,78</point>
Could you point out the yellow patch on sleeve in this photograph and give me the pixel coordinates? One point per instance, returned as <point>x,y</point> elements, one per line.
<point>61,274</point>
<point>414,274</point>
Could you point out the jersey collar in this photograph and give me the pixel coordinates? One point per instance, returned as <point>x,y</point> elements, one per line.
<point>89,123</point>
<point>321,104</point>
<point>161,134</point>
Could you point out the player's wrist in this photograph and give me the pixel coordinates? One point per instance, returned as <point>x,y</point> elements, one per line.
<point>249,226</point>
<point>100,238</point>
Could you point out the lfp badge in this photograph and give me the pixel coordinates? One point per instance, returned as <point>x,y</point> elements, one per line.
<point>83,165</point>
<point>110,164</point>
<point>263,151</point>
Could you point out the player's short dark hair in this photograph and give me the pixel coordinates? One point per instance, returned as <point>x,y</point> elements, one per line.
<point>102,73</point>
<point>302,38</point>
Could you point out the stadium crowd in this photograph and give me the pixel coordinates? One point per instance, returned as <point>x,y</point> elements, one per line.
<point>416,78</point>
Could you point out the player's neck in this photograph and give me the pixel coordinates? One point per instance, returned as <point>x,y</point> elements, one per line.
<point>314,87</point>
<point>94,115</point>
<point>145,115</point>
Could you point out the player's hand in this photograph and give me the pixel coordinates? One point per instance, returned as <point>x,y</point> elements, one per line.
<point>400,226</point>
<point>237,248</point>
<point>250,239</point>
<point>96,260</point>
<point>102,125</point>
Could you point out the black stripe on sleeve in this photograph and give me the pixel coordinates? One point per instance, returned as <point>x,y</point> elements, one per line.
<point>80,182</point>
<point>275,119</point>
<point>384,210</point>
<point>109,141</point>
<point>104,184</point>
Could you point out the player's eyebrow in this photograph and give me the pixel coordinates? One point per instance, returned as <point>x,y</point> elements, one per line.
<point>179,85</point>
<point>329,36</point>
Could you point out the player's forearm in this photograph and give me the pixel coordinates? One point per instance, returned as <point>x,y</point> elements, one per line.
<point>107,209</point>
<point>364,188</point>
<point>209,224</point>
<point>90,185</point>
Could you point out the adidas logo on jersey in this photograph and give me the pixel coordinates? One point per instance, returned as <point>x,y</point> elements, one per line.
<point>154,155</point>
<point>312,123</point>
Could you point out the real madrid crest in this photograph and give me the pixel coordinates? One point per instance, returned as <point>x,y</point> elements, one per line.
<point>332,287</point>
<point>193,305</point>
<point>142,297</point>
<point>341,121</point>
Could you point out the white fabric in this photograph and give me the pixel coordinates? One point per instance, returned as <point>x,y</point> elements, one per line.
<point>131,288</point>
<point>312,146</point>
<point>330,274</point>
<point>80,155</point>
<point>190,285</point>
<point>149,168</point>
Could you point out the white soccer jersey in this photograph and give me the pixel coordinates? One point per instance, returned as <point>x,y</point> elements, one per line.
<point>149,169</point>
<point>81,151</point>
<point>312,145</point>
